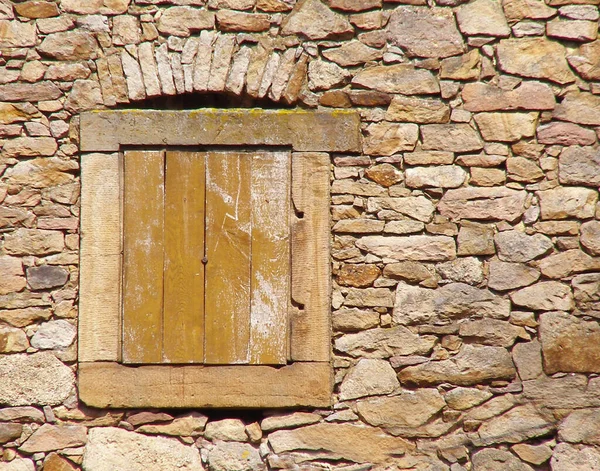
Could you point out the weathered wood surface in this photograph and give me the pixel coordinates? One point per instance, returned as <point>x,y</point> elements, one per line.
<point>107,384</point>
<point>228,252</point>
<point>307,131</point>
<point>310,326</point>
<point>183,318</point>
<point>270,258</point>
<point>143,256</point>
<point>100,262</point>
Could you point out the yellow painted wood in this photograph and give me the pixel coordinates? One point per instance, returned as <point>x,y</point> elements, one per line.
<point>183,318</point>
<point>227,298</point>
<point>143,228</point>
<point>270,196</point>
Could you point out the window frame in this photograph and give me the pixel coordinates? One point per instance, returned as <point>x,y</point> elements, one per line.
<point>307,381</point>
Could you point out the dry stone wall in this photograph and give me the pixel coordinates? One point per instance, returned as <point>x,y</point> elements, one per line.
<point>465,237</point>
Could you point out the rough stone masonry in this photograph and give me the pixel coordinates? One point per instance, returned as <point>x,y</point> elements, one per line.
<point>465,239</point>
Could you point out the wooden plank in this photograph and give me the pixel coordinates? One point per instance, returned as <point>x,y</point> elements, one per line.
<point>183,319</point>
<point>227,299</point>
<point>100,263</point>
<point>270,195</point>
<point>196,386</point>
<point>143,261</point>
<point>311,274</point>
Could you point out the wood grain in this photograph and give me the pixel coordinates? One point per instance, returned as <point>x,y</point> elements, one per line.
<point>183,319</point>
<point>195,386</point>
<point>228,238</point>
<point>143,260</point>
<point>270,195</point>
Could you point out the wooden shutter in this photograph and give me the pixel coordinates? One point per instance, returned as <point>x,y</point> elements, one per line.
<point>231,209</point>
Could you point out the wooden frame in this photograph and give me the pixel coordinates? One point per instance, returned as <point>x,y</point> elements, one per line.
<point>307,380</point>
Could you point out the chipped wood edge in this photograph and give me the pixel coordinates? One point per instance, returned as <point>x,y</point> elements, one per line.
<point>307,384</point>
<point>307,131</point>
<point>310,330</point>
<point>100,258</point>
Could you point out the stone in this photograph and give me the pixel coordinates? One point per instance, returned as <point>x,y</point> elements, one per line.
<point>544,296</point>
<point>590,236</point>
<point>417,110</point>
<point>313,19</point>
<point>498,460</point>
<point>566,263</point>
<point>572,30</point>
<point>399,78</point>
<point>37,9</point>
<point>12,274</point>
<point>492,332</point>
<point>587,61</point>
<point>55,437</point>
<point>24,317</point>
<point>18,464</point>
<point>323,75</point>
<point>10,432</point>
<point>581,426</point>
<point>466,398</point>
<point>350,187</point>
<point>505,276</point>
<point>37,378</point>
<point>389,138</point>
<point>384,174</point>
<point>403,227</point>
<point>384,343</point>
<point>352,53</point>
<point>350,320</point>
<point>230,20</point>
<point>400,414</point>
<point>182,20</point>
<point>566,202</point>
<point>482,18</point>
<point>227,430</point>
<point>46,276</point>
<point>341,441</point>
<point>142,418</point>
<point>23,147</point>
<point>416,207</point>
<point>22,414</point>
<point>580,12</point>
<point>475,239</point>
<point>518,424</point>
<point>416,305</point>
<point>586,288</point>
<point>294,420</point>
<point>91,7</point>
<point>85,95</point>
<point>190,425</point>
<point>439,177</point>
<point>17,34</point>
<point>569,343</point>
<point>409,271</point>
<point>33,242</point>
<point>369,297</point>
<point>465,67</point>
<point>231,456</point>
<point>54,334</point>
<point>515,246</point>
<point>463,270</point>
<point>425,32</point>
<point>565,134</point>
<point>527,96</point>
<point>415,248</point>
<point>535,454</point>
<point>358,275</point>
<point>536,58</point>
<point>41,172</point>
<point>40,91</point>
<point>517,10</point>
<point>69,46</point>
<point>12,340</point>
<point>67,72</point>
<point>433,157</point>
<point>15,113</point>
<point>355,5</point>
<point>137,452</point>
<point>579,166</point>
<point>369,377</point>
<point>483,203</point>
<point>472,365</point>
<point>126,30</point>
<point>506,127</point>
<point>580,108</point>
<point>567,457</point>
<point>358,226</point>
<point>450,137</point>
<point>55,462</point>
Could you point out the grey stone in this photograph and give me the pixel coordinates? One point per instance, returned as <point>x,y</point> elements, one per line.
<point>482,18</point>
<point>230,430</point>
<point>579,166</point>
<point>369,377</point>
<point>505,276</point>
<point>463,270</point>
<point>528,359</point>
<point>581,426</point>
<point>384,343</point>
<point>231,456</point>
<point>586,288</point>
<point>54,334</point>
<point>515,246</point>
<point>442,176</point>
<point>568,457</point>
<point>46,276</point>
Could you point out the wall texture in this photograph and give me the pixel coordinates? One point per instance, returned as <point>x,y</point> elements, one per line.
<point>465,238</point>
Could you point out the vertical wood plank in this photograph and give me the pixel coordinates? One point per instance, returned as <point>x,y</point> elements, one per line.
<point>228,229</point>
<point>270,190</point>
<point>143,228</point>
<point>183,319</point>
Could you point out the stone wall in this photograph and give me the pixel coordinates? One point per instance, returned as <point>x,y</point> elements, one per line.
<point>465,239</point>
